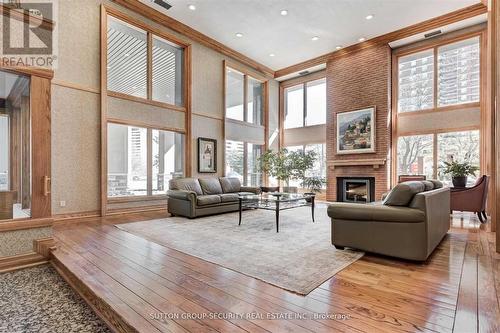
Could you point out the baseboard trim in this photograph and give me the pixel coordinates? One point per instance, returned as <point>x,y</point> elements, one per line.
<point>12,263</point>
<point>114,321</point>
<point>78,215</point>
<point>123,211</point>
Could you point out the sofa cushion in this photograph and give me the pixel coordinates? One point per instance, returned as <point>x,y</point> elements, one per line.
<point>210,185</point>
<point>428,185</point>
<point>204,200</point>
<point>403,193</point>
<point>229,197</point>
<point>370,213</point>
<point>437,183</point>
<point>188,184</point>
<point>230,184</point>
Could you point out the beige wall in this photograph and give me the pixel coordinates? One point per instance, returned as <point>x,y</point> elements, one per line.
<point>21,241</point>
<point>76,113</point>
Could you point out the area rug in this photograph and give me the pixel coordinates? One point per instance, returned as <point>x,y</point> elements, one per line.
<point>37,299</point>
<point>299,258</point>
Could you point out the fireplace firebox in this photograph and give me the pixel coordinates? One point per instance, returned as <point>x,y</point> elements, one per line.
<point>356,189</point>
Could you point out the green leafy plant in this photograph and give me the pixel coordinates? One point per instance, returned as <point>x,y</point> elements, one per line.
<point>285,166</point>
<point>313,184</point>
<point>456,169</point>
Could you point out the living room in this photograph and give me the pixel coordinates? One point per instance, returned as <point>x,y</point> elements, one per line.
<point>175,165</point>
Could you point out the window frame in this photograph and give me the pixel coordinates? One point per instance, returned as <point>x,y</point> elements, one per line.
<point>395,114</point>
<point>150,31</point>
<point>149,156</point>
<point>435,146</point>
<point>246,74</point>
<point>245,160</point>
<point>301,81</point>
<point>435,51</point>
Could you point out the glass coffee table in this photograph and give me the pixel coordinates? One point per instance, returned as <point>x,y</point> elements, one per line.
<point>276,202</point>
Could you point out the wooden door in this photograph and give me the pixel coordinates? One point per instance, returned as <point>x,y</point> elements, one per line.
<point>40,122</point>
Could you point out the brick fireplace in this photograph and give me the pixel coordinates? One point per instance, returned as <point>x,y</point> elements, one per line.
<point>355,81</point>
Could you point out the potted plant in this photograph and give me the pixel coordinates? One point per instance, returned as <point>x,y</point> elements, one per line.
<point>313,184</point>
<point>285,166</point>
<point>459,172</point>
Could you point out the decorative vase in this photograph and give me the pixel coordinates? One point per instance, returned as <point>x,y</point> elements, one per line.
<point>459,181</point>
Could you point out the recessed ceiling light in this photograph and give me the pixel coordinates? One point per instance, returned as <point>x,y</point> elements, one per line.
<point>369,17</point>
<point>239,34</point>
<point>192,7</point>
<point>284,12</point>
<point>315,38</point>
<point>338,47</point>
<point>362,39</point>
<point>271,55</point>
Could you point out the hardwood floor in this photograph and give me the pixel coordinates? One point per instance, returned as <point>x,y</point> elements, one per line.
<point>137,285</point>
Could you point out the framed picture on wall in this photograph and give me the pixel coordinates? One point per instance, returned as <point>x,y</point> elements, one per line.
<point>207,155</point>
<point>356,131</point>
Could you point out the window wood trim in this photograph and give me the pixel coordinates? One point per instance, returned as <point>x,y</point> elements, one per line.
<point>187,91</point>
<point>304,80</point>
<point>434,45</point>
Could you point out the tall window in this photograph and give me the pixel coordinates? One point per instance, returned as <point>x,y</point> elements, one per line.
<point>127,58</point>
<point>416,81</point>
<point>305,104</point>
<point>239,86</point>
<point>141,161</point>
<point>458,68</point>
<point>416,155</point>
<point>168,63</point>
<point>242,162</point>
<point>457,76</point>
<point>319,168</point>
<point>127,67</point>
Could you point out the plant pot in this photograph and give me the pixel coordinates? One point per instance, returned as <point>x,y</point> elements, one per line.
<point>459,181</point>
<point>290,189</point>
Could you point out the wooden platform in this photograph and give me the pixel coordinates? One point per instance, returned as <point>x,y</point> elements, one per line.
<point>137,285</point>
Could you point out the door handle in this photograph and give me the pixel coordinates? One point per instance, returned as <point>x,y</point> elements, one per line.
<point>46,185</point>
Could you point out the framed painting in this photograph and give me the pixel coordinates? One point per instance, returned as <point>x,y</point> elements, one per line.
<point>356,131</point>
<point>207,155</point>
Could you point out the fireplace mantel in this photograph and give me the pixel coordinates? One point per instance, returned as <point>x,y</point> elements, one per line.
<point>375,162</point>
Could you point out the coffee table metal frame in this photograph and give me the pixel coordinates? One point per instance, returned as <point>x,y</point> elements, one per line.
<point>275,202</point>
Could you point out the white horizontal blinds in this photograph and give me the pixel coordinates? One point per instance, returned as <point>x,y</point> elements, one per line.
<point>127,58</point>
<point>416,81</point>
<point>235,159</point>
<point>167,72</point>
<point>234,94</point>
<point>255,101</point>
<point>415,155</point>
<point>458,72</point>
<point>294,106</point>
<point>316,102</point>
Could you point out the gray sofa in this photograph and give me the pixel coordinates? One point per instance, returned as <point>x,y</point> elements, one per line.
<point>409,223</point>
<point>193,197</point>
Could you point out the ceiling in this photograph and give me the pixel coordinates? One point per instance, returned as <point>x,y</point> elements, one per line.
<point>289,38</point>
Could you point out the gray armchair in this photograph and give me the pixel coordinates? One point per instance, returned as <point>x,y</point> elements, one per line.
<point>410,222</point>
<point>192,197</point>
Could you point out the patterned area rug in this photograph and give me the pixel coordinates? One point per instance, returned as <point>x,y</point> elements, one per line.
<point>37,299</point>
<point>299,258</point>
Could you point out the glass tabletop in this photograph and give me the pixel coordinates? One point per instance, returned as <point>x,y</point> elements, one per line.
<point>276,196</point>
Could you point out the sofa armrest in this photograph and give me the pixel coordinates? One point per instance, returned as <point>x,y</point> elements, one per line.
<point>252,189</point>
<point>360,212</point>
<point>182,195</point>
